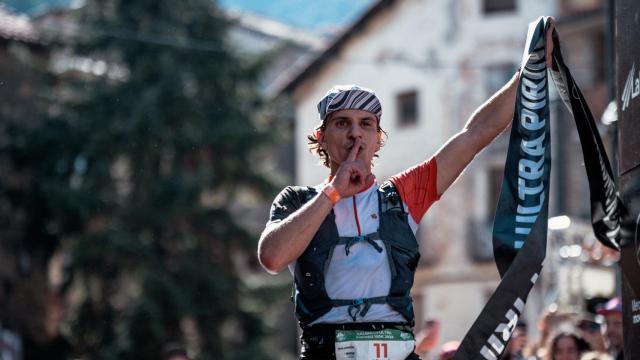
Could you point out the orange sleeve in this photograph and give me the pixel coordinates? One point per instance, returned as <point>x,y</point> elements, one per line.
<point>417,187</point>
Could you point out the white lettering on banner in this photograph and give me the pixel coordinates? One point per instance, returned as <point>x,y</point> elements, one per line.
<point>534,147</point>
<point>635,311</point>
<point>530,120</point>
<point>530,170</point>
<point>495,344</point>
<point>636,240</point>
<point>531,165</point>
<point>533,91</point>
<point>534,71</point>
<point>631,87</point>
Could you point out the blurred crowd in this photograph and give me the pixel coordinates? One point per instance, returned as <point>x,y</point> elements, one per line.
<point>595,334</point>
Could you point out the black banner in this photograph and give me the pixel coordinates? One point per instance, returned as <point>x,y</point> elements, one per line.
<point>605,202</point>
<point>628,103</point>
<point>520,225</point>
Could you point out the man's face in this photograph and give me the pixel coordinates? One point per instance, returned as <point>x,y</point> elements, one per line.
<point>614,330</point>
<point>342,129</point>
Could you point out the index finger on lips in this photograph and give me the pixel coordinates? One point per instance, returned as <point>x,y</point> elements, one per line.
<point>354,150</point>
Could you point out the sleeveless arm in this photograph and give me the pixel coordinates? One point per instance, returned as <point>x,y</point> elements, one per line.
<point>285,204</point>
<point>291,228</point>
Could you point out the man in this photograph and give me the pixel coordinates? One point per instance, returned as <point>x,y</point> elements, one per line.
<point>448,350</point>
<point>429,337</point>
<point>591,331</point>
<point>350,241</point>
<point>612,312</point>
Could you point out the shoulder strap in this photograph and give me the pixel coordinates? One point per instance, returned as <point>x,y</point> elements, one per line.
<point>389,197</point>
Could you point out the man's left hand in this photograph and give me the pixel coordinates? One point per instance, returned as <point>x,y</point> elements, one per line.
<point>549,41</point>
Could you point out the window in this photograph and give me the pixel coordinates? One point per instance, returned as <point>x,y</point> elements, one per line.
<point>498,75</point>
<point>407,108</point>
<point>573,7</point>
<point>494,6</point>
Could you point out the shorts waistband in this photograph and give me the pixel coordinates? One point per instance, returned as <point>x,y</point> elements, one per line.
<point>359,326</point>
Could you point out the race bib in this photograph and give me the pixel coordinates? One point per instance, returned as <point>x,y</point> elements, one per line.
<point>386,344</point>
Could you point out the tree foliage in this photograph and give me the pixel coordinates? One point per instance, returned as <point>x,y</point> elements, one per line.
<point>135,166</point>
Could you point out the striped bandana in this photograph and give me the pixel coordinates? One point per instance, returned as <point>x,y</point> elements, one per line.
<point>341,97</point>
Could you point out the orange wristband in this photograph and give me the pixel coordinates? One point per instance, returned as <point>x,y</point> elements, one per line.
<point>331,193</point>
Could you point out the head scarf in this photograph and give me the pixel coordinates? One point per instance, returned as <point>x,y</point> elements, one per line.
<point>342,97</point>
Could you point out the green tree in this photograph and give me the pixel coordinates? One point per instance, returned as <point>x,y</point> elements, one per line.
<point>26,244</point>
<point>145,151</point>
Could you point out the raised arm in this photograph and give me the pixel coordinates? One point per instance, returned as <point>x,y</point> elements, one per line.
<point>487,122</point>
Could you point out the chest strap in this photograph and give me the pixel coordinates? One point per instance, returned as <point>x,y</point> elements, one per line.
<point>349,241</point>
<point>359,306</point>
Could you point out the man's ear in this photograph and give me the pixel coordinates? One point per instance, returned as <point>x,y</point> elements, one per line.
<point>320,137</point>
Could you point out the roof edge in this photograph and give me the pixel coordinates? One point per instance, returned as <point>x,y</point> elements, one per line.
<point>319,61</point>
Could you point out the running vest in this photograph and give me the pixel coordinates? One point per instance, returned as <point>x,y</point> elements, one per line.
<point>310,296</point>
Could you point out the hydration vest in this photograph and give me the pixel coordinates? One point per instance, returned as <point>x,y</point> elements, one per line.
<point>310,295</point>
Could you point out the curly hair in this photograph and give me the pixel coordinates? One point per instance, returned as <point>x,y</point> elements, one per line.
<point>314,145</point>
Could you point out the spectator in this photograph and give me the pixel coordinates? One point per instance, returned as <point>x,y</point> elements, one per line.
<point>565,346</point>
<point>591,331</point>
<point>550,320</point>
<point>428,337</point>
<point>517,344</point>
<point>612,312</point>
<point>448,350</point>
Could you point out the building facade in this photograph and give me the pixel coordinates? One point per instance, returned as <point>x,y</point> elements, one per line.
<point>432,62</point>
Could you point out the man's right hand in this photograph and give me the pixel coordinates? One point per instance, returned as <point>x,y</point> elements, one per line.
<point>352,175</point>
<point>283,242</point>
